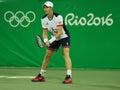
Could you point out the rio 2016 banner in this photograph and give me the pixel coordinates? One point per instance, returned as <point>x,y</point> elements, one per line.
<point>93,26</point>
<point>71,19</point>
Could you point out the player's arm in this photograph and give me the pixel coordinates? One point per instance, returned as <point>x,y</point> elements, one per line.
<point>59,33</point>
<point>45,35</point>
<point>45,31</point>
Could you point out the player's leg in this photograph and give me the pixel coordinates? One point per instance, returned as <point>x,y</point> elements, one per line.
<point>66,50</point>
<point>68,64</point>
<point>40,76</point>
<point>46,59</point>
<point>67,58</point>
<point>53,47</point>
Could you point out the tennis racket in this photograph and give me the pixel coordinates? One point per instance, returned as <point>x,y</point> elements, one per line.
<point>39,41</point>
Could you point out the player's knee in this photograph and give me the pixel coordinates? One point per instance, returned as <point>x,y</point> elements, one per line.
<point>48,54</point>
<point>65,53</point>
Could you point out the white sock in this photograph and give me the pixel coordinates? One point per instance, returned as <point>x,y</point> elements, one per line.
<point>69,72</point>
<point>42,72</point>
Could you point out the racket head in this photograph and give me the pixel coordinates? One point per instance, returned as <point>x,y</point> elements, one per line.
<point>39,41</point>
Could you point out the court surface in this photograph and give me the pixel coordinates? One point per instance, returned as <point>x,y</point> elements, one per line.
<point>19,78</point>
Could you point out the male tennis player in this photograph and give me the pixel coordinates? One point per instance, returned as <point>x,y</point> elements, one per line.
<point>53,23</point>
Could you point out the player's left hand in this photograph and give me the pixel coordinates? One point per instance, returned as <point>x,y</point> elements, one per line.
<point>47,44</point>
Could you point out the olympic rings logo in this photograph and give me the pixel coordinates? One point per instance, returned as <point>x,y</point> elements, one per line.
<point>19,18</point>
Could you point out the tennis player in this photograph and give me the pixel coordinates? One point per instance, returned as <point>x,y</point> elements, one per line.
<point>53,23</point>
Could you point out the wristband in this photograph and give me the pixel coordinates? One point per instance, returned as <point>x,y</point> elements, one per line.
<point>45,40</point>
<point>52,39</point>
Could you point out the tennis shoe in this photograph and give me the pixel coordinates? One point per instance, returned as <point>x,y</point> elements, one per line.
<point>38,78</point>
<point>68,80</point>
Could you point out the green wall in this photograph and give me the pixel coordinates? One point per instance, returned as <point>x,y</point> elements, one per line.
<point>94,26</point>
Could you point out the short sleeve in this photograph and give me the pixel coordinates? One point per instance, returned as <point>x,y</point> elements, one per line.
<point>59,20</point>
<point>43,24</point>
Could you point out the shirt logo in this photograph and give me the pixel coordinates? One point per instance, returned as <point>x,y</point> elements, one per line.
<point>47,24</point>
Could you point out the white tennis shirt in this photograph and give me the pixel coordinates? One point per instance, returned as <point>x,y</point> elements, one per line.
<point>51,25</point>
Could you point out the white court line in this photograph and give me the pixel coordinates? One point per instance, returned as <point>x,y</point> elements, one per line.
<point>16,76</point>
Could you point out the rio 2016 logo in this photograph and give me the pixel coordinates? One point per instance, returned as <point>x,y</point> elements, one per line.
<point>19,18</point>
<point>91,20</point>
